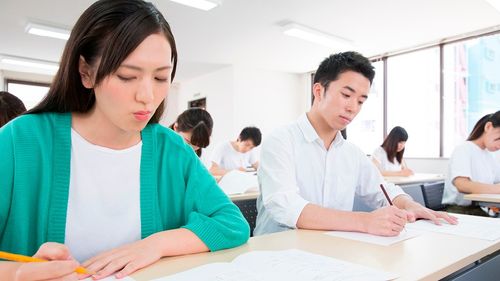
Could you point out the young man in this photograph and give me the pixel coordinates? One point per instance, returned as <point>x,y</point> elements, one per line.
<point>309,174</point>
<point>237,154</point>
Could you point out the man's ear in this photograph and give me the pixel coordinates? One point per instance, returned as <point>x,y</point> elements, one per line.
<point>86,73</point>
<point>317,90</point>
<point>175,126</point>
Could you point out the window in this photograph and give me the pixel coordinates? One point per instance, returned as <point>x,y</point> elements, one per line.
<point>366,130</point>
<point>30,93</point>
<point>471,84</point>
<point>413,100</point>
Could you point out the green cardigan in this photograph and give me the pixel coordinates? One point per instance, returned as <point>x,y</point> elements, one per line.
<point>176,189</point>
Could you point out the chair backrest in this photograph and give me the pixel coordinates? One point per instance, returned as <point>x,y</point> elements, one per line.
<point>248,208</point>
<point>433,195</point>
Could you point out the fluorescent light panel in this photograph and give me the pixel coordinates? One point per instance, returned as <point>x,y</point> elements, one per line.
<point>47,31</point>
<point>198,4</point>
<point>494,3</point>
<point>312,35</point>
<point>31,63</point>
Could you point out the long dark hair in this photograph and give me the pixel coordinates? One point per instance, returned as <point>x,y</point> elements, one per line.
<point>390,144</point>
<point>199,122</point>
<point>10,107</point>
<point>478,129</point>
<point>108,30</point>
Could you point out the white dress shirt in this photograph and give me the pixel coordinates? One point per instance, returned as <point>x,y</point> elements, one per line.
<point>227,158</point>
<point>296,169</point>
<point>470,161</point>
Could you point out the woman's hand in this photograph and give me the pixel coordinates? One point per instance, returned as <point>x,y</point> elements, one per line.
<point>59,267</point>
<point>125,259</point>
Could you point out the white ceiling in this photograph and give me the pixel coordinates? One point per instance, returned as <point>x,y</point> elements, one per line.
<point>248,32</point>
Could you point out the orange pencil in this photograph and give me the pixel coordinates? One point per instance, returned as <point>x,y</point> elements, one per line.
<point>21,258</point>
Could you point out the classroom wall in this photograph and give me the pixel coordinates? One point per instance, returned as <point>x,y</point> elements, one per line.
<point>218,87</point>
<point>268,99</point>
<point>242,96</point>
<point>428,165</point>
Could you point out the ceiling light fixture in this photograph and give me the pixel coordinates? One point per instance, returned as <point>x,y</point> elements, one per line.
<point>47,31</point>
<point>315,36</point>
<point>28,65</point>
<point>204,5</point>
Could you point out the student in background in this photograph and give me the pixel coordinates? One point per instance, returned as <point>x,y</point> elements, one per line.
<point>91,167</point>
<point>10,107</point>
<point>309,175</point>
<point>473,167</point>
<point>195,126</point>
<point>389,156</point>
<point>237,155</point>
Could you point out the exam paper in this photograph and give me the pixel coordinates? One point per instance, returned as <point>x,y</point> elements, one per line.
<point>375,239</point>
<point>290,265</point>
<point>468,226</point>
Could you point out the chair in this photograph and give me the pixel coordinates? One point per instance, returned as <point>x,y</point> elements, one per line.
<point>248,208</point>
<point>433,195</point>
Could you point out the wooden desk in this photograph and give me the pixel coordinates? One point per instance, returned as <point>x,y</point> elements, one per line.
<point>485,200</point>
<point>244,196</point>
<point>416,178</point>
<point>430,256</point>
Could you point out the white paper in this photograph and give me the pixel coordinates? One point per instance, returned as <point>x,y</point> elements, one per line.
<point>468,226</point>
<point>375,239</point>
<point>290,265</point>
<point>236,182</point>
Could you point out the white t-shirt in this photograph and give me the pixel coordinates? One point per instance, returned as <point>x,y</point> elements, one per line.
<point>104,198</point>
<point>381,156</point>
<point>296,169</point>
<point>470,161</point>
<point>228,158</point>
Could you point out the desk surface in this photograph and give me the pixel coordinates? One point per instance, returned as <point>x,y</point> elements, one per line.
<point>488,198</point>
<point>244,196</point>
<point>416,178</point>
<point>430,256</point>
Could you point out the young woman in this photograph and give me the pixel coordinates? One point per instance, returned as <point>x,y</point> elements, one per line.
<point>473,167</point>
<point>389,156</point>
<point>195,126</point>
<point>90,168</point>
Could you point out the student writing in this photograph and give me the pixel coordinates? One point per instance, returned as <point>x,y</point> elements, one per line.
<point>309,174</point>
<point>473,168</point>
<point>91,168</point>
<point>389,156</point>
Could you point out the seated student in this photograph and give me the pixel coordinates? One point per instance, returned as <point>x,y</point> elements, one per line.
<point>10,107</point>
<point>309,175</point>
<point>91,167</point>
<point>473,167</point>
<point>195,126</point>
<point>237,155</point>
<point>389,156</point>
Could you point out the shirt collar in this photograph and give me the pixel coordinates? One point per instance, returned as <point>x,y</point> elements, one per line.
<point>310,133</point>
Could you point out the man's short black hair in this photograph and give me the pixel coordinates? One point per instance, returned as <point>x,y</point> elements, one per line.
<point>336,64</point>
<point>251,133</point>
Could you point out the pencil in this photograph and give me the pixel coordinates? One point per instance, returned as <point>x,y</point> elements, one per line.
<point>388,198</point>
<point>386,195</point>
<point>21,258</point>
